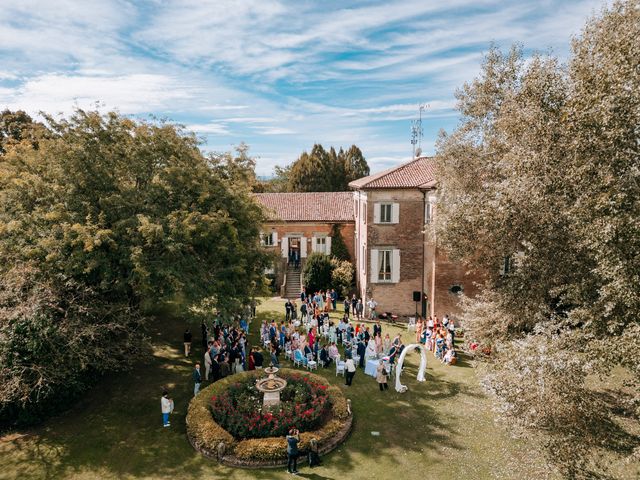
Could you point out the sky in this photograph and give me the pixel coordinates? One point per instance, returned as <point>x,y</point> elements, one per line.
<point>278,75</point>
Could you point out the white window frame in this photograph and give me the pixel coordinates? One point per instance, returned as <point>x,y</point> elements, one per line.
<point>267,239</point>
<point>320,245</point>
<point>428,213</point>
<point>385,259</point>
<point>386,212</point>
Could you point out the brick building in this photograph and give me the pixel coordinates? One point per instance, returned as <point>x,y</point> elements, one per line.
<point>397,252</point>
<point>385,223</point>
<point>299,223</point>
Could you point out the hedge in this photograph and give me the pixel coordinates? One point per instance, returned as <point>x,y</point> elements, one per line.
<point>206,435</point>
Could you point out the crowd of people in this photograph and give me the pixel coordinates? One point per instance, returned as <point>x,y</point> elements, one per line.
<point>439,337</point>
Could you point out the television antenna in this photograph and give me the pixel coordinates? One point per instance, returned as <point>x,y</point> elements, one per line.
<point>417,132</point>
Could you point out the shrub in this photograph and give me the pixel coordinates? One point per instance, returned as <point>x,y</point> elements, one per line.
<point>239,409</point>
<point>342,276</point>
<point>316,273</point>
<point>205,434</point>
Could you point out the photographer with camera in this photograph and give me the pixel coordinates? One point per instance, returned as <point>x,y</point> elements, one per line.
<point>292,450</point>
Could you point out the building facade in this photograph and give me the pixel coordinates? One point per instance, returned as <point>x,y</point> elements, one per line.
<point>385,222</point>
<point>300,223</point>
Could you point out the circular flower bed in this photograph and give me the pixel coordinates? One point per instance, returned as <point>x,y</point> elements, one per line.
<point>226,420</point>
<point>304,404</point>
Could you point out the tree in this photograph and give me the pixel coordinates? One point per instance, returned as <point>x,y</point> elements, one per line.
<point>16,127</point>
<point>316,273</point>
<point>110,216</point>
<point>324,171</point>
<point>543,172</point>
<point>338,247</point>
<point>342,276</point>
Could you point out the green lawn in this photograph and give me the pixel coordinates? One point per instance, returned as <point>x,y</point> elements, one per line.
<point>441,429</point>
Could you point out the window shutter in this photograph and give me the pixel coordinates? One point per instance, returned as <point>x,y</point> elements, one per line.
<point>395,213</point>
<point>303,247</point>
<point>274,236</point>
<point>285,247</point>
<point>395,266</point>
<point>314,244</point>
<point>374,266</point>
<point>376,213</point>
<point>262,242</point>
<point>328,245</point>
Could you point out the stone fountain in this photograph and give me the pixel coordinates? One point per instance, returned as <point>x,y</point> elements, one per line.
<point>271,386</point>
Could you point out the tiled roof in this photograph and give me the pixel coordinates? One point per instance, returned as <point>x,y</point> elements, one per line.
<point>308,207</point>
<point>419,173</point>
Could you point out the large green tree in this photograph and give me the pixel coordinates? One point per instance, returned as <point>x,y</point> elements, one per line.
<point>110,216</point>
<point>323,170</point>
<point>544,174</point>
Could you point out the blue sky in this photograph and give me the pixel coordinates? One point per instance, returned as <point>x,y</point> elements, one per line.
<point>278,75</point>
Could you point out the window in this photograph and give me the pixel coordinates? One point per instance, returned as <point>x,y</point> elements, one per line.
<point>456,289</point>
<point>321,245</point>
<point>385,213</point>
<point>384,265</point>
<point>267,239</point>
<point>428,213</point>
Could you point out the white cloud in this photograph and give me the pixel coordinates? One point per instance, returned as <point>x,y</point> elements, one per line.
<point>130,94</point>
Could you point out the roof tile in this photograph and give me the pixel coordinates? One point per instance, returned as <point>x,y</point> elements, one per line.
<point>419,173</point>
<point>308,207</point>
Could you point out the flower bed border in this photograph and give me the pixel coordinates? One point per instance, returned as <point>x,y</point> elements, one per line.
<point>212,441</point>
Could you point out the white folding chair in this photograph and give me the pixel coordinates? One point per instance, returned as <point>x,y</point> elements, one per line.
<point>339,366</point>
<point>311,363</point>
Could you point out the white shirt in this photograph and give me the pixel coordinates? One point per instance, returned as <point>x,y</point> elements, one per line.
<point>349,365</point>
<point>372,304</point>
<point>165,403</point>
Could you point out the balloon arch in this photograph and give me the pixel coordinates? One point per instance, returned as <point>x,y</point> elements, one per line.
<point>421,371</point>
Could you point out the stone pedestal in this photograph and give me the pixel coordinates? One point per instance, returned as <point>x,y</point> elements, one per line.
<point>271,398</point>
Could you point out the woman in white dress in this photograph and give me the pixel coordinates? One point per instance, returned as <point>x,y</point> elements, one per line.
<point>371,350</point>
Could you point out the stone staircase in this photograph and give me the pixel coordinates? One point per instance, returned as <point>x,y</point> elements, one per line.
<point>294,283</point>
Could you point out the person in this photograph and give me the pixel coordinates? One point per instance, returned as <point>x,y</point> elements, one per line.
<point>313,455</point>
<point>207,364</point>
<point>372,350</point>
<point>287,308</point>
<point>359,309</point>
<point>203,328</point>
<point>347,305</point>
<point>333,351</point>
<point>372,304</point>
<point>215,368</point>
<point>225,370</point>
<point>381,376</point>
<point>187,342</point>
<point>166,405</point>
<point>452,330</point>
<point>377,329</point>
<point>258,359</point>
<point>274,357</point>
<point>361,349</point>
<point>350,369</point>
<point>197,379</point>
<point>324,356</point>
<point>386,344</point>
<point>334,298</point>
<point>303,295</point>
<point>354,303</point>
<point>292,450</point>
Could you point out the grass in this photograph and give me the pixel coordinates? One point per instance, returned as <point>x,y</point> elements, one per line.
<point>441,429</point>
